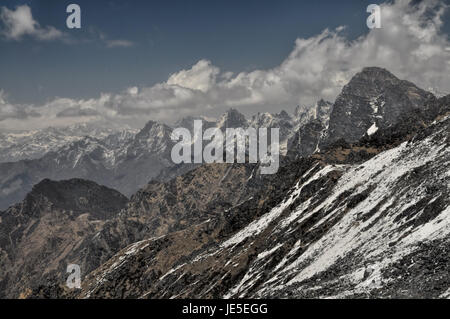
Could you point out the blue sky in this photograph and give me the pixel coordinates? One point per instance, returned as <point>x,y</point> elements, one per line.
<point>167,36</point>
<point>161,59</point>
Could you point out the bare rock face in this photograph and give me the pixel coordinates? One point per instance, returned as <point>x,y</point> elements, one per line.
<point>311,128</point>
<point>306,141</point>
<point>161,208</point>
<point>38,235</point>
<point>373,99</point>
<point>194,197</point>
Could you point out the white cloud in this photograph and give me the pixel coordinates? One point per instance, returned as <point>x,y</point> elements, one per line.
<point>133,90</point>
<point>19,23</point>
<point>98,35</point>
<point>202,77</point>
<point>410,44</point>
<point>10,111</point>
<point>118,43</point>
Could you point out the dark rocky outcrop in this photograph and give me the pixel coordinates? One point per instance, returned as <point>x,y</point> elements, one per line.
<point>372,97</point>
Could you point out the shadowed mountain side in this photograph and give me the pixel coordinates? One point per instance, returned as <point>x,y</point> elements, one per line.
<point>38,235</point>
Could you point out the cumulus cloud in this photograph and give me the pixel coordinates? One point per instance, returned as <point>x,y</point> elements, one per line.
<point>201,77</point>
<point>20,22</point>
<point>410,44</point>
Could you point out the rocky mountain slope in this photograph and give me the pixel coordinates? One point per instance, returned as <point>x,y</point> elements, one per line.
<point>373,99</point>
<point>157,209</point>
<point>377,227</point>
<point>38,235</point>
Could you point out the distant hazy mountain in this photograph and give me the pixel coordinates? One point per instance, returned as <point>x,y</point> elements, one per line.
<point>35,144</point>
<point>124,160</point>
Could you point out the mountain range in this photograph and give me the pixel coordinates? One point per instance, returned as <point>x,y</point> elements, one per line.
<point>358,209</point>
<point>125,160</point>
<point>28,145</point>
